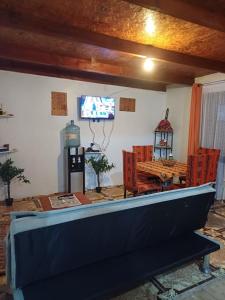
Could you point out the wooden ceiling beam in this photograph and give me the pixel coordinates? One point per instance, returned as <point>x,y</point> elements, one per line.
<point>76,34</point>
<point>60,72</point>
<point>186,11</point>
<point>25,54</point>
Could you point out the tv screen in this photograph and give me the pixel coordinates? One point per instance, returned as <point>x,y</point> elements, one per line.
<point>95,107</point>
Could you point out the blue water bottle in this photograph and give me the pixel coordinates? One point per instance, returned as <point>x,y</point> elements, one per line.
<point>72,135</point>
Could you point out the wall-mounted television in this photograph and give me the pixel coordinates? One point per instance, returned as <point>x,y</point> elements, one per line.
<point>96,107</point>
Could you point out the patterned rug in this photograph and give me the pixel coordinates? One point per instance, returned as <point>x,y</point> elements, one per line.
<point>219,210</point>
<point>33,204</point>
<point>173,284</point>
<point>188,278</point>
<point>27,204</point>
<point>169,285</point>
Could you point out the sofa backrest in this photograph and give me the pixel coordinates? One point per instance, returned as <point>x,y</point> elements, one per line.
<point>53,242</point>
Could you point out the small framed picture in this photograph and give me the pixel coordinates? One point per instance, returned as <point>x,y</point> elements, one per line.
<point>59,104</point>
<point>127,104</point>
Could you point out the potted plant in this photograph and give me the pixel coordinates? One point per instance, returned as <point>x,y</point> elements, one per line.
<point>100,165</point>
<point>9,172</point>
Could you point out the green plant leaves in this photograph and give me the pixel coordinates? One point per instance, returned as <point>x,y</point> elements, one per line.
<point>100,164</point>
<point>8,172</point>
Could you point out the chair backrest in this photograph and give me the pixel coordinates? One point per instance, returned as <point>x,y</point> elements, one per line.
<point>144,153</point>
<point>129,170</point>
<point>197,170</point>
<point>202,150</point>
<point>213,158</point>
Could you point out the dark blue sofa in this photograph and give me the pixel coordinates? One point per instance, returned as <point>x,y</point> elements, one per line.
<point>100,250</point>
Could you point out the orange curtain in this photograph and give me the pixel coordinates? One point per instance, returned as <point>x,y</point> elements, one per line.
<point>195,116</point>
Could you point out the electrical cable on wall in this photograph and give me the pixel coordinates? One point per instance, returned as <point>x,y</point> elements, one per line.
<point>92,131</point>
<point>109,137</point>
<point>103,147</point>
<point>104,135</point>
<point>93,137</point>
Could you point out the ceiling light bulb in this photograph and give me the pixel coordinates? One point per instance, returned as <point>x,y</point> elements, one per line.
<point>149,64</point>
<point>150,25</point>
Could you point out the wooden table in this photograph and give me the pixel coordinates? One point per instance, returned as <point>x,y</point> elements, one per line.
<point>163,172</point>
<point>46,205</point>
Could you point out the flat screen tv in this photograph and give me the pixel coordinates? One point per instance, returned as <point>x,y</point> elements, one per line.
<point>96,107</point>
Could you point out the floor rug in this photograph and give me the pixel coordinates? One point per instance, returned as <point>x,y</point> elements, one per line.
<point>215,228</point>
<point>26,204</point>
<point>219,209</point>
<point>181,281</point>
<point>172,284</point>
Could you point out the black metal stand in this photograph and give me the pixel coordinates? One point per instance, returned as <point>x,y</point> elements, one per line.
<point>75,163</point>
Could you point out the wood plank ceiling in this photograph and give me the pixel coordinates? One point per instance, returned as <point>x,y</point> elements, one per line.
<point>106,40</point>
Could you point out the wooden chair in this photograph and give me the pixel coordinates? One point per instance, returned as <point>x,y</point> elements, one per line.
<point>199,170</point>
<point>144,153</point>
<point>214,155</point>
<point>137,184</point>
<point>213,158</point>
<point>196,170</point>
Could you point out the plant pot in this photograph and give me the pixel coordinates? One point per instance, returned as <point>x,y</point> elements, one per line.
<point>8,201</point>
<point>98,189</point>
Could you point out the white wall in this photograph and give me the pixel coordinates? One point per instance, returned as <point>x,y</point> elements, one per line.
<point>212,83</point>
<point>36,133</point>
<point>178,101</point>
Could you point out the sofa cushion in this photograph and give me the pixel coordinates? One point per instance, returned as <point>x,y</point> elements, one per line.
<point>106,278</point>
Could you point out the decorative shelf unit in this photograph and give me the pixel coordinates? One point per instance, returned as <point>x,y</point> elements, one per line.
<point>6,116</point>
<point>8,152</point>
<point>163,143</point>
